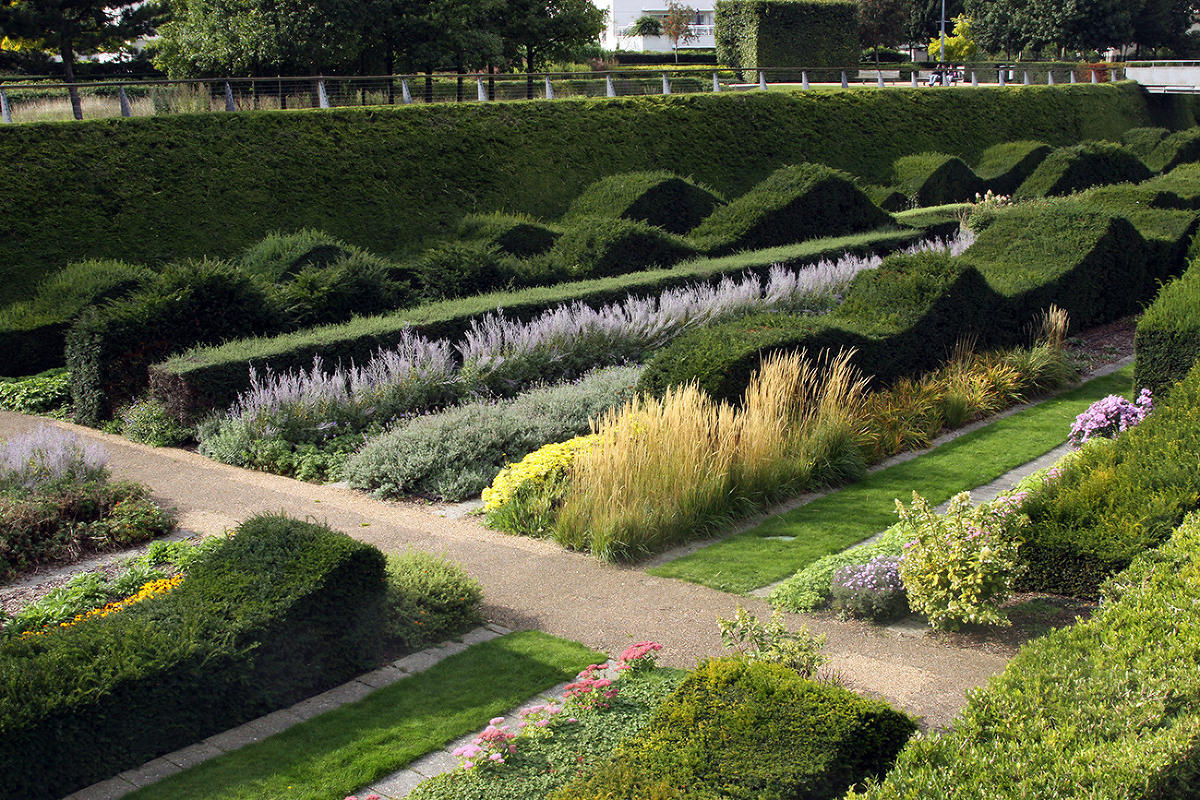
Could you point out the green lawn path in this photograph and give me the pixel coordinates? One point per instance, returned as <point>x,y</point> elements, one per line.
<point>343,750</point>
<point>832,523</point>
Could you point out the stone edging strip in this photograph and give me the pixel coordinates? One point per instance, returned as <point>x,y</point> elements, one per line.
<point>278,721</point>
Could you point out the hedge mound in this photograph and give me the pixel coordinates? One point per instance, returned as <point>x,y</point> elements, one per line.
<point>280,256</point>
<point>935,179</point>
<point>1116,500</point>
<point>1004,167</point>
<point>515,234</point>
<point>1182,147</point>
<point>1107,707</point>
<point>1167,341</point>
<point>390,178</point>
<point>746,729</point>
<point>1183,182</point>
<point>661,199</point>
<point>795,203</point>
<point>1070,169</point>
<point>80,704</point>
<point>32,334</point>
<point>598,247</point>
<point>211,377</point>
<point>1142,141</point>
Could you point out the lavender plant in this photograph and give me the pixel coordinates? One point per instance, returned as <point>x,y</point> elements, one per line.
<point>48,456</point>
<point>872,590</point>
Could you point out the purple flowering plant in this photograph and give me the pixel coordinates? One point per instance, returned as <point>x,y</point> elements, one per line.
<point>1110,416</point>
<point>872,591</point>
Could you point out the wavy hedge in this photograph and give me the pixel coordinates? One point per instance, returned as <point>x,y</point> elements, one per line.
<point>1107,708</point>
<point>935,179</point>
<point>80,704</point>
<point>160,188</point>
<point>1070,169</point>
<point>1004,167</point>
<point>1167,341</point>
<point>661,199</point>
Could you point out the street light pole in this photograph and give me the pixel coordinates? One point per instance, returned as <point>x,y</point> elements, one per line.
<point>942,46</point>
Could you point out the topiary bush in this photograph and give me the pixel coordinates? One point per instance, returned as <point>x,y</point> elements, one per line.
<point>1069,169</point>
<point>1167,341</point>
<point>661,199</point>
<point>109,349</point>
<point>1181,147</point>
<point>357,284</point>
<point>1142,141</point>
<point>753,34</point>
<point>793,204</point>
<point>934,179</point>
<point>597,247</point>
<point>459,269</point>
<point>514,234</point>
<point>220,648</point>
<point>429,598</point>
<point>1004,167</point>
<point>750,729</point>
<point>280,256</point>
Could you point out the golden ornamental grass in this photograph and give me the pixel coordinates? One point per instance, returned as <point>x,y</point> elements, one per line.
<point>668,470</point>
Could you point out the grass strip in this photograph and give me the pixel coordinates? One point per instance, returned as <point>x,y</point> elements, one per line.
<point>340,751</point>
<point>784,544</point>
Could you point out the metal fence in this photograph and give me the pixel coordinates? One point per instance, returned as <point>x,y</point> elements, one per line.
<point>39,101</point>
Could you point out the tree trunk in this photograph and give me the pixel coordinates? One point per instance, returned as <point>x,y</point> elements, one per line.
<point>491,81</point>
<point>429,85</point>
<point>68,57</point>
<point>459,93</point>
<point>529,62</point>
<point>389,66</point>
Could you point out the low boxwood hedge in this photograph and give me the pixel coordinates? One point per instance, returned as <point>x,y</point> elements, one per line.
<point>597,247</point>
<point>515,234</point>
<point>210,377</point>
<point>661,199</point>
<point>1106,708</point>
<point>1117,499</point>
<point>1167,341</point>
<point>935,179</point>
<point>280,611</point>
<point>1069,169</point>
<point>744,729</point>
<point>1004,167</point>
<point>793,204</point>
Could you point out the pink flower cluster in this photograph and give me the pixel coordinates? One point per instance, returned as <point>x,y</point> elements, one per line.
<point>539,716</point>
<point>368,797</point>
<point>638,657</point>
<point>588,691</point>
<point>490,746</point>
<point>1110,416</point>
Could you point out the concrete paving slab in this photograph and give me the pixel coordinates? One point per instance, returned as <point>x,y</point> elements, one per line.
<point>193,755</point>
<point>151,772</point>
<point>110,789</point>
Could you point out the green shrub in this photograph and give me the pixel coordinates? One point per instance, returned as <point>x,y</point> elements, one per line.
<point>793,204</point>
<point>461,269</point>
<point>1118,499</point>
<point>456,453</point>
<point>1182,182</point>
<point>109,349</point>
<point>1167,341</point>
<point>742,729</point>
<point>1004,167</point>
<point>281,256</point>
<point>1142,141</point>
<point>148,421</point>
<point>221,648</point>
<point>889,198</point>
<point>809,589</point>
<point>754,34</point>
<point>429,598</point>
<point>391,178</point>
<point>935,179</point>
<point>515,234</point>
<point>597,247</point>
<point>1182,147</point>
<point>661,199</point>
<point>348,286</point>
<point>31,333</point>
<point>1069,169</point>
<point>1106,707</point>
<point>1162,218</point>
<point>44,393</point>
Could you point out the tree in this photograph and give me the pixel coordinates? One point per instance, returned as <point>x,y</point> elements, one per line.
<point>677,25</point>
<point>960,46</point>
<point>999,24</point>
<point>646,25</point>
<point>1081,25</point>
<point>882,22</point>
<point>73,27</point>
<point>1164,23</point>
<point>536,31</point>
<point>925,18</point>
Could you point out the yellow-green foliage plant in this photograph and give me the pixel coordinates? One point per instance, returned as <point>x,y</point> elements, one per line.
<point>525,496</point>
<point>960,566</point>
<point>667,470</point>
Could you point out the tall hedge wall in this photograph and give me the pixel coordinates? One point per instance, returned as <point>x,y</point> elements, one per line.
<point>154,189</point>
<point>786,33</point>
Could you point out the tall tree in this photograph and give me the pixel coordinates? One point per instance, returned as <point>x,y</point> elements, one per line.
<point>1164,23</point>
<point>677,26</point>
<point>925,16</point>
<point>538,31</point>
<point>882,22</point>
<point>75,27</point>
<point>1082,25</point>
<point>999,24</point>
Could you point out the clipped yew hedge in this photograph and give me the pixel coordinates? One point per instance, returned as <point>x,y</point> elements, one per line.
<point>661,199</point>
<point>1004,167</point>
<point>935,179</point>
<point>1167,341</point>
<point>1070,169</point>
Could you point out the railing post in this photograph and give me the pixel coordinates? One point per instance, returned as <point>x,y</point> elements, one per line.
<point>804,80</point>
<point>1049,77</point>
<point>716,83</point>
<point>1095,77</point>
<point>762,80</point>
<point>1002,77</point>
<point>666,84</point>
<point>405,92</point>
<point>915,80</point>
<point>549,89</point>
<point>974,78</point>
<point>126,110</point>
<point>609,89</point>
<point>1026,80</point>
<point>5,109</point>
<point>845,81</point>
<point>481,92</point>
<point>879,80</point>
<point>229,104</point>
<point>1073,78</point>
<point>322,97</point>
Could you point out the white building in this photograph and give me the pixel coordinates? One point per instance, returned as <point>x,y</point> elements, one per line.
<point>623,13</point>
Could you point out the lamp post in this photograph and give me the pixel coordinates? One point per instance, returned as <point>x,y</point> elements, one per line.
<point>942,45</point>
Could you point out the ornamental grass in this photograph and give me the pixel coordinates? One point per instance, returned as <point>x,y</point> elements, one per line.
<point>663,471</point>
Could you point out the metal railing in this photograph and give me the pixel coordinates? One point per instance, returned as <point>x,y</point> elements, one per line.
<point>36,101</point>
